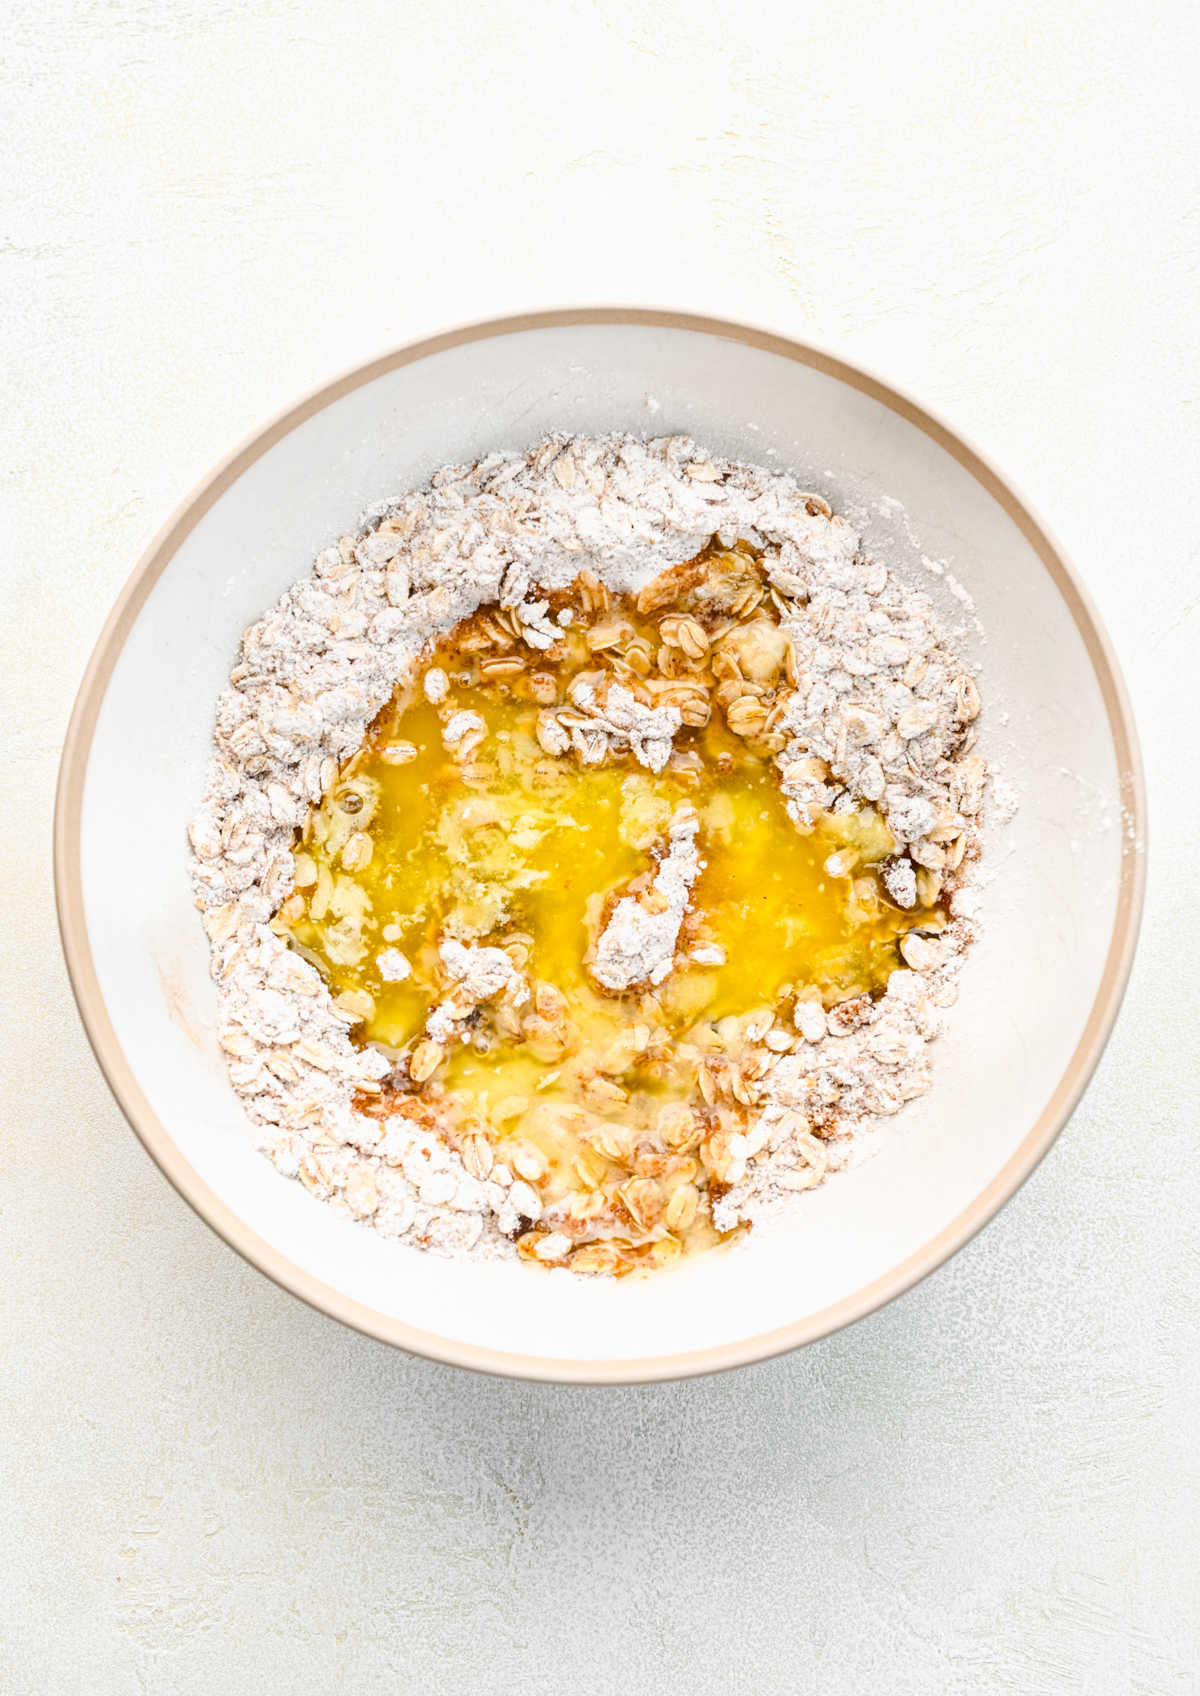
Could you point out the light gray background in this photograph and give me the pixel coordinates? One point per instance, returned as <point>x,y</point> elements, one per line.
<point>209,208</point>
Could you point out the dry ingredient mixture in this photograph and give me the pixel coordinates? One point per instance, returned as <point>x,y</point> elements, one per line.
<point>586,855</point>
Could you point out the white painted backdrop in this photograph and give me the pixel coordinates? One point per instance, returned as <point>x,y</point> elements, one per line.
<point>210,206</point>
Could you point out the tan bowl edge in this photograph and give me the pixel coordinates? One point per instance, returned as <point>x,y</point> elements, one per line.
<point>156,1139</point>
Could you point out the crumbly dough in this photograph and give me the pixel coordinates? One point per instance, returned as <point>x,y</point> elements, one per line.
<point>882,713</point>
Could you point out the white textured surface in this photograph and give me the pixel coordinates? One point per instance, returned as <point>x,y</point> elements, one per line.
<point>990,1486</point>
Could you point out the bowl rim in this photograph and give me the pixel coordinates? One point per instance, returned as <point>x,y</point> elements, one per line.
<point>333,1302</point>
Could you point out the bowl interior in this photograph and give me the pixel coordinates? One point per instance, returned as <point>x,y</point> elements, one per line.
<point>1037,991</point>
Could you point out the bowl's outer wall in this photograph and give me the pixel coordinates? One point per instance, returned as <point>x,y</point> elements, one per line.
<point>1040,991</point>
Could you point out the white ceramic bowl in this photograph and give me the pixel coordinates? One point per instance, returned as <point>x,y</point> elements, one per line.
<point>1040,992</point>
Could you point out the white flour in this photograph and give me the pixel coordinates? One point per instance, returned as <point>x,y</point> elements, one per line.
<point>881,713</point>
<point>637,945</point>
<point>478,975</point>
<point>615,721</point>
